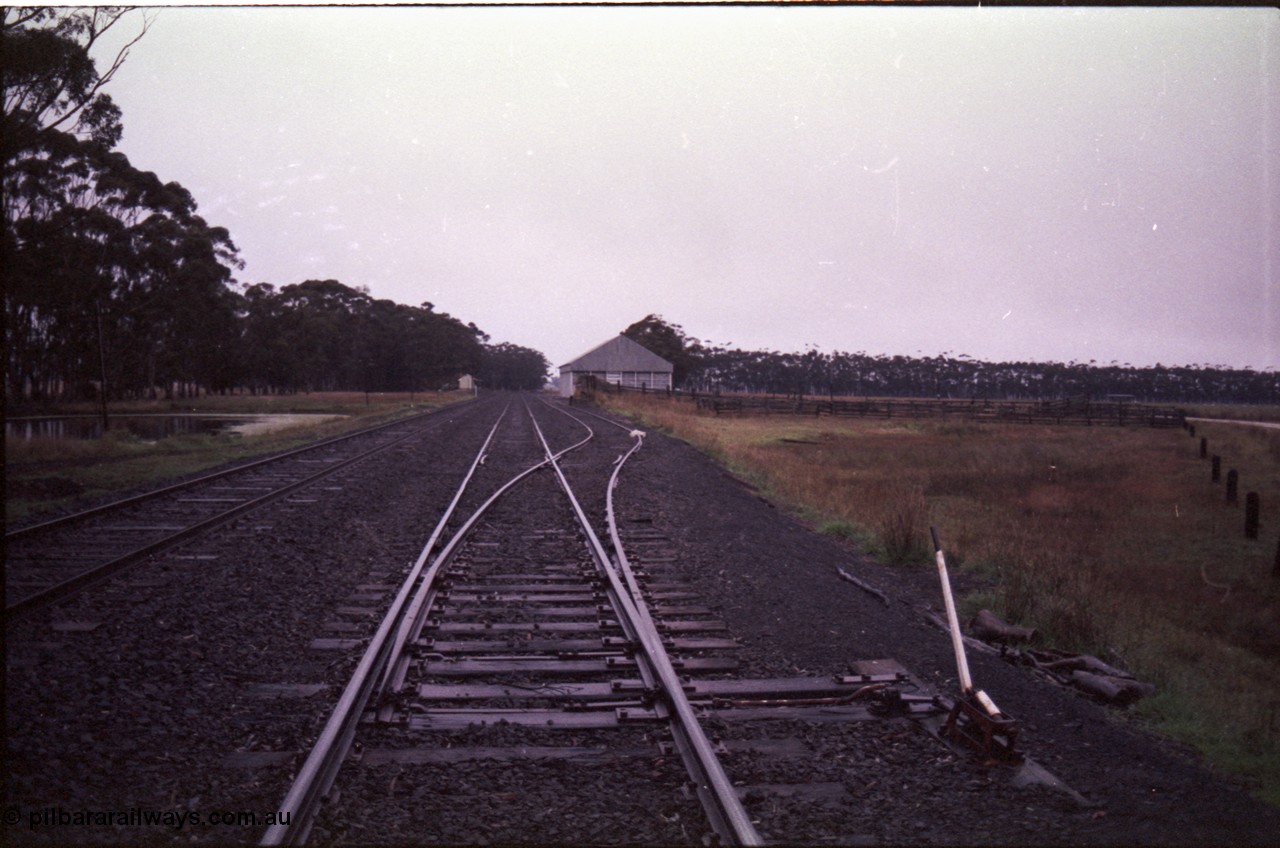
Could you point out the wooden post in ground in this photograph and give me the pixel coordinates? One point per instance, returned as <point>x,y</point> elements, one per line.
<point>1251,510</point>
<point>1216,473</point>
<point>1233,483</point>
<point>1204,447</point>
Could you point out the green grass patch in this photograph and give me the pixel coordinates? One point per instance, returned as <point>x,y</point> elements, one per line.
<point>840,529</point>
<point>43,474</point>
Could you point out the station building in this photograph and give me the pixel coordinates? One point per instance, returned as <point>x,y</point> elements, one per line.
<point>619,361</point>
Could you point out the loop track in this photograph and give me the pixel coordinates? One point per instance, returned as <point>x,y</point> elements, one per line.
<point>52,560</point>
<point>524,599</point>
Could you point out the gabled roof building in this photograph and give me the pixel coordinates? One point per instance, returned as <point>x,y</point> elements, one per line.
<point>619,361</point>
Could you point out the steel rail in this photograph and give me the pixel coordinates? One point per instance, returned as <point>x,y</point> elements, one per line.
<point>603,418</point>
<point>323,763</point>
<point>72,585</point>
<point>617,594</point>
<point>207,478</point>
<point>416,616</point>
<point>720,799</point>
<point>320,768</point>
<point>725,812</point>
<point>378,664</point>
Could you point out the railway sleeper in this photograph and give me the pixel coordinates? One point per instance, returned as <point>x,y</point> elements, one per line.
<point>540,665</point>
<point>554,719</point>
<point>562,646</point>
<point>755,688</point>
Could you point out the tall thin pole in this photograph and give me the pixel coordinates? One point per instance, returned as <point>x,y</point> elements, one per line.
<point>957,644</point>
<point>102,370</point>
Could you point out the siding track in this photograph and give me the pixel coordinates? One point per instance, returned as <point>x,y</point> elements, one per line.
<point>52,560</point>
<point>561,616</point>
<point>519,643</point>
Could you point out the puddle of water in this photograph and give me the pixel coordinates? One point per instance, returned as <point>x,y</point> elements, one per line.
<point>269,423</point>
<point>151,427</point>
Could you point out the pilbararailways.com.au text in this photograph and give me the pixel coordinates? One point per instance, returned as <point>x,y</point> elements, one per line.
<point>54,817</point>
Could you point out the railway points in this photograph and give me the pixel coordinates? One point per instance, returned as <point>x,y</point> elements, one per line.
<point>521,694</point>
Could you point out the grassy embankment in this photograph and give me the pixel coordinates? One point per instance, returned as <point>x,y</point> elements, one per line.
<point>41,474</point>
<point>1109,541</point>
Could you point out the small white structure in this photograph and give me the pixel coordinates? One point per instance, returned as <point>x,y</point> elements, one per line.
<point>466,383</point>
<point>619,361</point>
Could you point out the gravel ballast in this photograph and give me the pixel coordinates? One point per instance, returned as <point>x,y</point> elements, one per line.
<point>189,685</point>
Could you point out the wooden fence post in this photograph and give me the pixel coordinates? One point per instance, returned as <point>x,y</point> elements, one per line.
<point>1251,510</point>
<point>1216,473</point>
<point>1233,483</point>
<point>1204,447</point>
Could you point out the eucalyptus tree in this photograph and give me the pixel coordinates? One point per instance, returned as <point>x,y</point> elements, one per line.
<point>51,81</point>
<point>846,374</point>
<point>176,292</point>
<point>666,340</point>
<point>267,362</point>
<point>323,335</point>
<point>319,322</point>
<point>509,366</point>
<point>111,277</point>
<point>443,347</point>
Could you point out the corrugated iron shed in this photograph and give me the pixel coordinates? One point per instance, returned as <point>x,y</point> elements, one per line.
<point>618,354</point>
<point>620,361</point>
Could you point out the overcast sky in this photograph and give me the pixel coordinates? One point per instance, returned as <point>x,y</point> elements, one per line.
<point>1035,184</point>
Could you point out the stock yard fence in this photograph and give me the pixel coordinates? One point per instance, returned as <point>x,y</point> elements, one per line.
<point>1078,410</point>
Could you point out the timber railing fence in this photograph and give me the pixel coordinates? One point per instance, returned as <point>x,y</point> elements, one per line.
<point>1078,410</point>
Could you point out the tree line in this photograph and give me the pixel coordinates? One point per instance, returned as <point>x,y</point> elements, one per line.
<point>115,287</point>
<point>706,367</point>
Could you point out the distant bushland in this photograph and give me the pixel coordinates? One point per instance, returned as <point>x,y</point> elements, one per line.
<point>707,367</point>
<point>115,289</point>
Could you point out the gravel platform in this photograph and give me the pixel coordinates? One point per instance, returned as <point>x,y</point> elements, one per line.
<point>155,693</point>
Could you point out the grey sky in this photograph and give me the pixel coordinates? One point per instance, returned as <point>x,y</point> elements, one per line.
<point>1042,184</point>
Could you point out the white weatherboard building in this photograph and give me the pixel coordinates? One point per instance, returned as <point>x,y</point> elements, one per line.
<point>619,361</point>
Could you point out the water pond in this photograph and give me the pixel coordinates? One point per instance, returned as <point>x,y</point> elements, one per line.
<point>149,427</point>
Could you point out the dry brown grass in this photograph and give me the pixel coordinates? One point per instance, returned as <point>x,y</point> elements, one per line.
<point>1111,541</point>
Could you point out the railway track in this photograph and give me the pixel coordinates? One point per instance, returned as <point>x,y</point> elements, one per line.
<point>50,561</point>
<point>200,681</point>
<point>524,646</point>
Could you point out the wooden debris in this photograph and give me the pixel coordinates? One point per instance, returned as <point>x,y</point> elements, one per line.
<point>1115,690</point>
<point>1086,663</point>
<point>866,587</point>
<point>971,643</point>
<point>1086,673</point>
<point>986,626</point>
